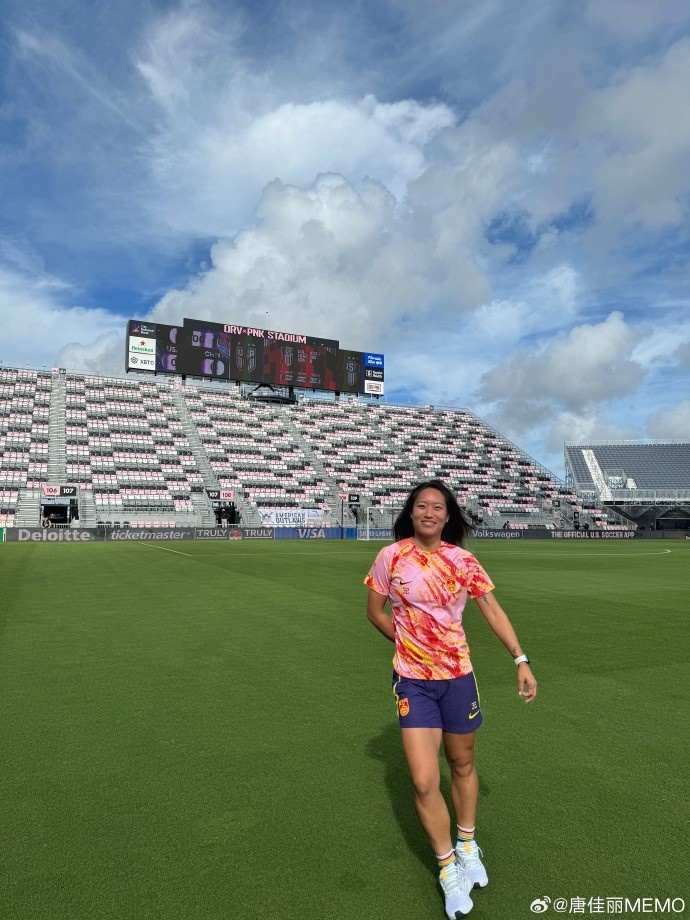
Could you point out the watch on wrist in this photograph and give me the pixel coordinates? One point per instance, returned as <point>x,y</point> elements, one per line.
<point>520,659</point>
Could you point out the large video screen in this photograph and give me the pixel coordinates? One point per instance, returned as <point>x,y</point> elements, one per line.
<point>199,348</point>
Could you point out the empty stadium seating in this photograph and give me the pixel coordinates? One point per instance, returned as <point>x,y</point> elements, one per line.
<point>142,452</point>
<point>629,466</point>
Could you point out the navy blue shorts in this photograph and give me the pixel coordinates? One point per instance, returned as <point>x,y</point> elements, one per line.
<point>452,705</point>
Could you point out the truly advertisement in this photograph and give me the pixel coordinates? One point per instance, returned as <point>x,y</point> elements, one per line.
<point>259,533</point>
<point>218,533</point>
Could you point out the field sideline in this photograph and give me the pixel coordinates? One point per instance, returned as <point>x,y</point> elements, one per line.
<point>208,732</point>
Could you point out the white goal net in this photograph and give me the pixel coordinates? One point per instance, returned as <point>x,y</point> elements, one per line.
<point>377,524</point>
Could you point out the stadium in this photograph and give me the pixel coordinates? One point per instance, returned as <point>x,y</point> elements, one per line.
<point>251,446</point>
<point>265,268</point>
<point>162,520</point>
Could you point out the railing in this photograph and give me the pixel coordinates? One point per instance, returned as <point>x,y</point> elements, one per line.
<point>649,496</point>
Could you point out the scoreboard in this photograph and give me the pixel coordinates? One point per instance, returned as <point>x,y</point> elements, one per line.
<point>200,348</point>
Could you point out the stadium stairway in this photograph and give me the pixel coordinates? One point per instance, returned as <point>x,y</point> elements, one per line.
<point>202,509</point>
<point>189,428</point>
<point>87,510</point>
<point>57,447</point>
<point>28,508</point>
<point>333,499</point>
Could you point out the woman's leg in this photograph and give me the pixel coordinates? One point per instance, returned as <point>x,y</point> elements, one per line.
<point>421,747</point>
<point>459,750</point>
<point>464,782</point>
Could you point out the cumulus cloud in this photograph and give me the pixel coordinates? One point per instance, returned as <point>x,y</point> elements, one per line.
<point>333,260</point>
<point>585,427</point>
<point>550,300</point>
<point>104,355</point>
<point>228,126</point>
<point>590,364</point>
<point>488,236</point>
<point>35,321</point>
<point>209,182</point>
<point>671,424</point>
<point>644,121</point>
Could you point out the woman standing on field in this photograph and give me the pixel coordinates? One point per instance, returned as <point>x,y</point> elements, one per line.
<point>427,576</point>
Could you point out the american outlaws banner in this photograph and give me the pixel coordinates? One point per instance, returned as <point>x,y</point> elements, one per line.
<point>290,517</point>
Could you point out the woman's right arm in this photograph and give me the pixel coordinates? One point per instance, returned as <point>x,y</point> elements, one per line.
<point>376,614</point>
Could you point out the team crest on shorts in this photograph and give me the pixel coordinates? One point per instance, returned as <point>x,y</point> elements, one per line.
<point>404,707</point>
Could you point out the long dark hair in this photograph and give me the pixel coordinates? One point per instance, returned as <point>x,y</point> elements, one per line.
<point>457,527</point>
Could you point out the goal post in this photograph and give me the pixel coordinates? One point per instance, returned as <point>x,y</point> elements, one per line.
<point>378,523</point>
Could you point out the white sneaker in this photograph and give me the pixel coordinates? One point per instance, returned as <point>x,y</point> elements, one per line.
<point>456,887</point>
<point>468,854</point>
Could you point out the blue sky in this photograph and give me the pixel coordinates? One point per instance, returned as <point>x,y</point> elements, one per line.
<point>493,194</point>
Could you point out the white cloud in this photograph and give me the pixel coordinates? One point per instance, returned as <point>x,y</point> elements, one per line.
<point>226,125</point>
<point>567,129</point>
<point>104,355</point>
<point>589,365</point>
<point>585,427</point>
<point>334,260</point>
<point>643,123</point>
<point>209,178</point>
<point>35,323</point>
<point>682,354</point>
<point>303,268</point>
<point>550,300</point>
<point>659,346</point>
<point>672,424</point>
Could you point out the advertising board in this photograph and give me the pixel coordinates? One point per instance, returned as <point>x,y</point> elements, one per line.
<point>49,535</point>
<point>201,348</point>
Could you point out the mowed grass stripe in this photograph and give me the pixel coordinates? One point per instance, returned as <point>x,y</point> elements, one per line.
<point>213,736</point>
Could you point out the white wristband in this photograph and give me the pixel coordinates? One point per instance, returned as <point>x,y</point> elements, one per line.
<point>520,659</point>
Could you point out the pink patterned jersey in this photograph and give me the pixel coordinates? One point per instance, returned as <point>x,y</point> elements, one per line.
<point>427,593</point>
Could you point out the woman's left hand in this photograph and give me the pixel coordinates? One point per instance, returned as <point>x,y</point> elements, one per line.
<point>527,685</point>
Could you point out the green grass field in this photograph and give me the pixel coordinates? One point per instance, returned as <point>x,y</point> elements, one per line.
<point>209,733</point>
